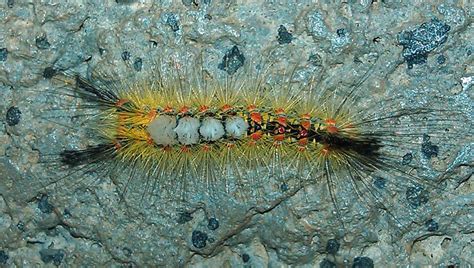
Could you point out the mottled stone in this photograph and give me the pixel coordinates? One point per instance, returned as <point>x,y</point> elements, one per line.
<point>13,116</point>
<point>232,60</point>
<point>199,239</point>
<point>419,42</point>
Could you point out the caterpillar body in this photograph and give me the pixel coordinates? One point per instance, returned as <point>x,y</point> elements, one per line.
<point>349,141</point>
<point>203,129</point>
<point>182,136</point>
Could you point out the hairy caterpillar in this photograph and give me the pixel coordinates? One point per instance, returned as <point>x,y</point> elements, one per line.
<point>104,211</point>
<point>187,133</point>
<point>356,151</point>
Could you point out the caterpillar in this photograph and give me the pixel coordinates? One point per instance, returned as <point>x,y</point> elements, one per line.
<point>373,161</point>
<point>181,135</point>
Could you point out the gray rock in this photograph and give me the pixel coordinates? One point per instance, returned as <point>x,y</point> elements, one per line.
<point>95,222</point>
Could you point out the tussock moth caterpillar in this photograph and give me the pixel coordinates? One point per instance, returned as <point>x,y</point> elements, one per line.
<point>260,139</point>
<point>186,133</point>
<point>276,215</point>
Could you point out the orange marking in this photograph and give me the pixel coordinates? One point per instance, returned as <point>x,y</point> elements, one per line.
<point>332,129</point>
<point>203,108</point>
<point>282,121</point>
<point>256,117</point>
<point>230,145</point>
<point>252,143</point>
<point>330,121</point>
<point>206,148</point>
<point>279,137</point>
<point>168,109</point>
<point>325,151</point>
<point>152,114</point>
<point>301,148</point>
<point>306,116</point>
<point>149,139</point>
<point>184,109</point>
<point>185,149</point>
<point>306,124</point>
<point>280,111</point>
<point>256,136</point>
<point>303,142</point>
<point>167,148</point>
<point>121,102</point>
<point>117,145</point>
<point>251,107</point>
<point>226,108</point>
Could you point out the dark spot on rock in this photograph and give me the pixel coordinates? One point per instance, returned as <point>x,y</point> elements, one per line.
<point>419,42</point>
<point>211,240</point>
<point>52,255</point>
<point>10,3</point>
<point>153,43</point>
<point>3,54</point>
<point>125,2</point>
<point>127,252</point>
<point>454,262</point>
<point>332,246</point>
<point>49,72</point>
<point>327,264</point>
<point>212,224</point>
<point>441,59</point>
<point>199,239</point>
<point>232,60</point>
<point>315,59</point>
<point>138,64</point>
<point>416,196</point>
<point>363,262</point>
<point>341,32</point>
<point>42,42</point>
<point>3,257</point>
<point>431,225</point>
<point>284,187</point>
<point>13,116</point>
<point>184,217</point>
<point>407,158</point>
<point>245,257</point>
<point>357,59</point>
<point>428,149</point>
<point>44,206</point>
<point>172,21</point>
<point>126,55</point>
<point>380,182</point>
<point>67,213</point>
<point>21,226</point>
<point>284,37</point>
<point>208,17</point>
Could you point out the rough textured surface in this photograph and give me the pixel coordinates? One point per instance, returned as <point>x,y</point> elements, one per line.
<point>71,224</point>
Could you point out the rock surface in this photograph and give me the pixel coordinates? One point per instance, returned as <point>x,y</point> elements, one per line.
<point>86,222</point>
